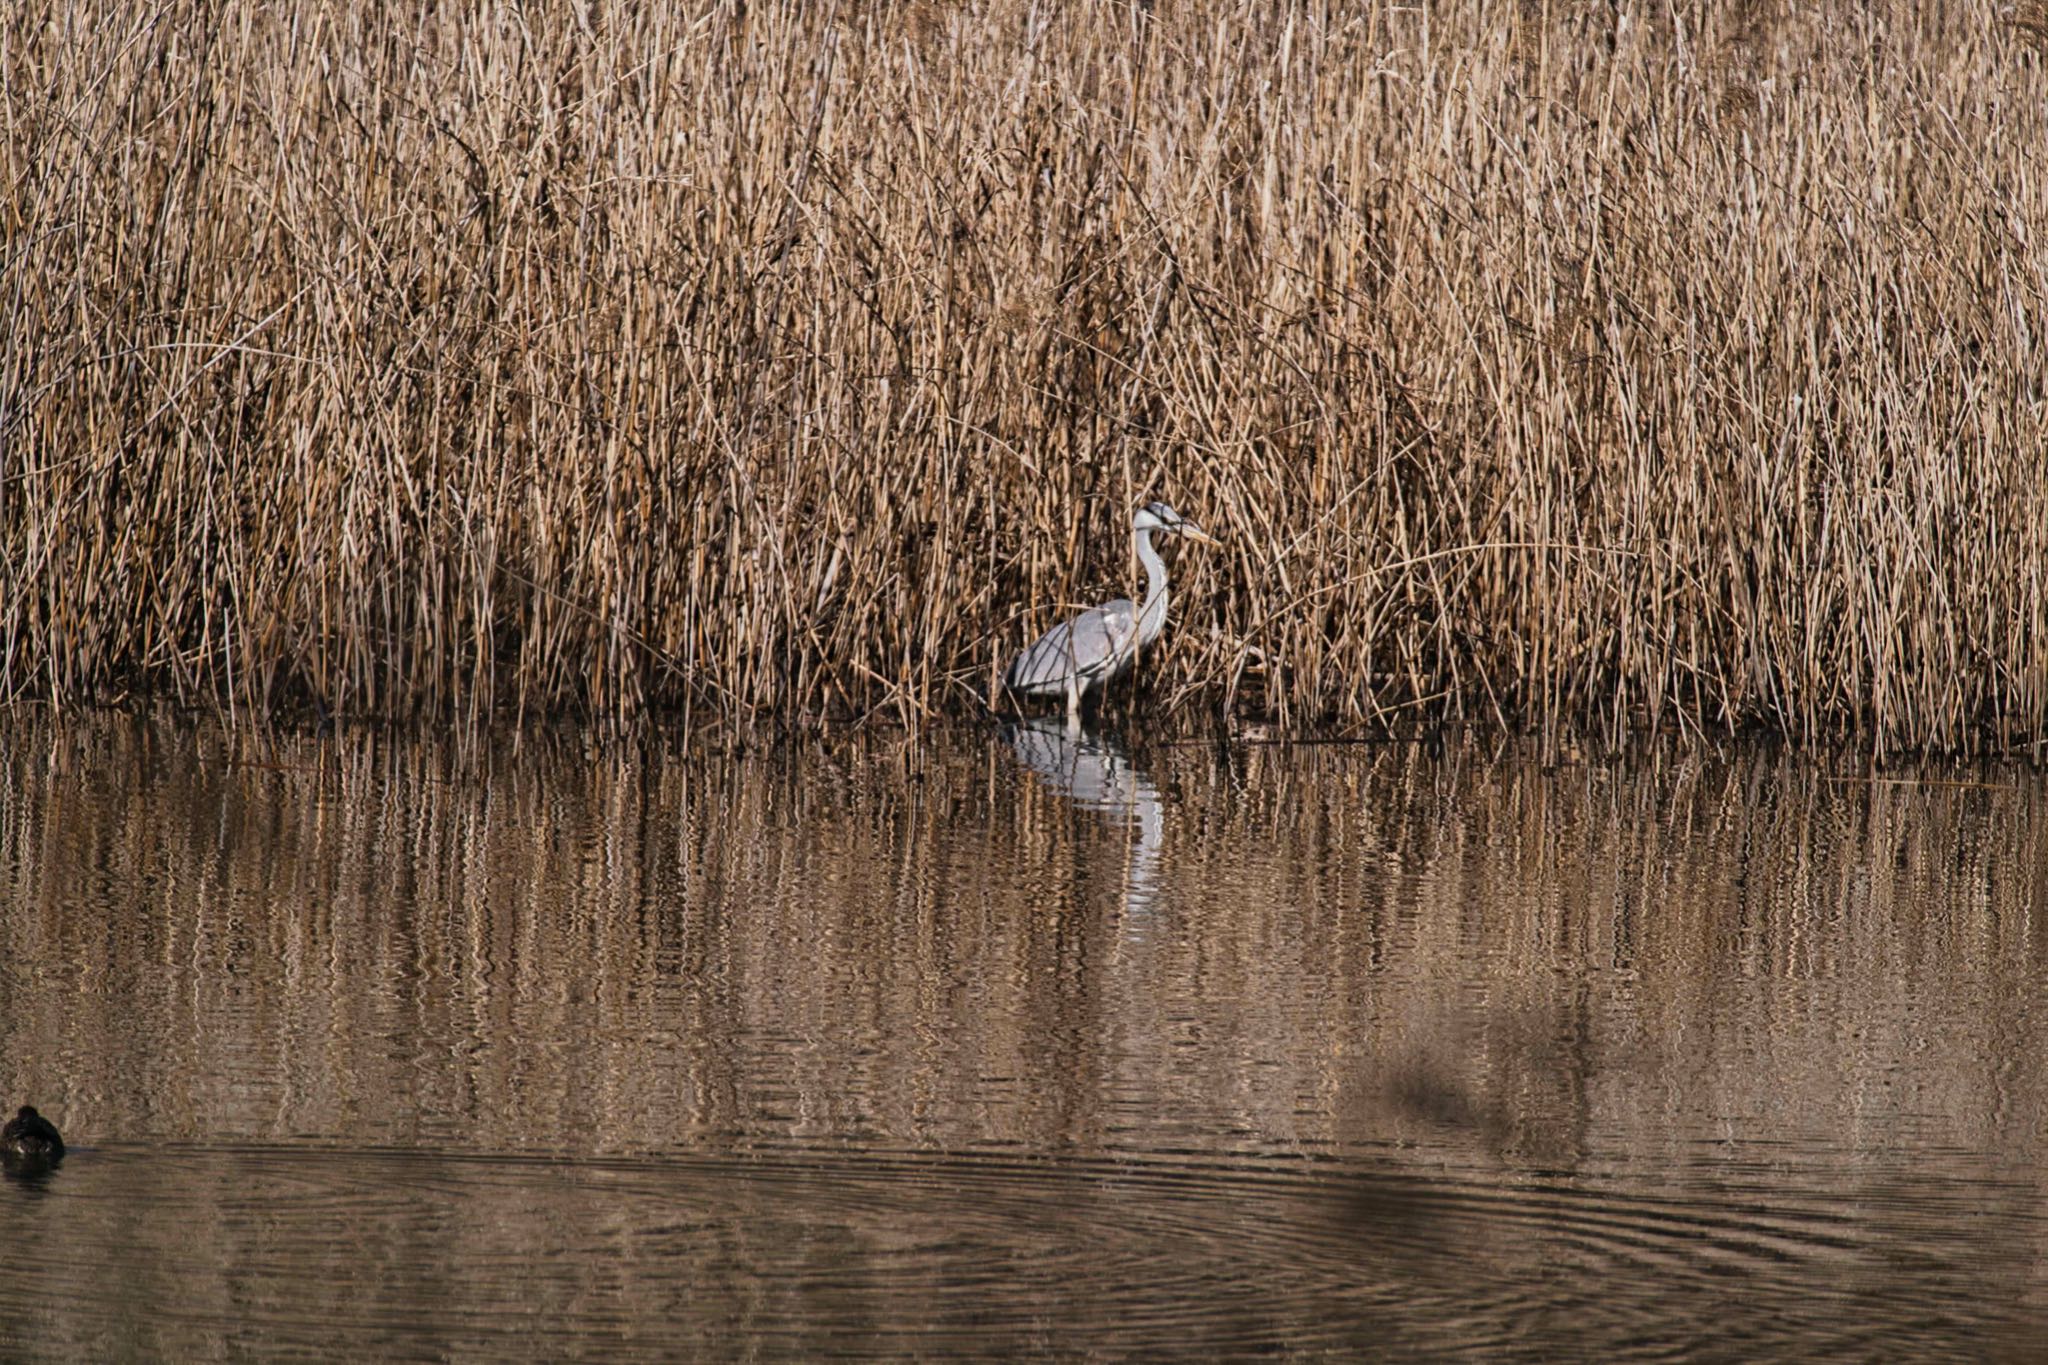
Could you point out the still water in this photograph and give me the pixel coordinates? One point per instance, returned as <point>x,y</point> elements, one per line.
<point>997,1044</point>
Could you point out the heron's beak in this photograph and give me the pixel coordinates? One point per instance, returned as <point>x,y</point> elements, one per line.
<point>1195,533</point>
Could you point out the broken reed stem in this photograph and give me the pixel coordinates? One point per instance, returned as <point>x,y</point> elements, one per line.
<point>1567,367</point>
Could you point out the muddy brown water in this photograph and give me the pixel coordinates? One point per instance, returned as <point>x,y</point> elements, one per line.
<point>996,1044</point>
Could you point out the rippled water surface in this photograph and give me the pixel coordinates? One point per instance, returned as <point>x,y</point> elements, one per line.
<point>997,1044</point>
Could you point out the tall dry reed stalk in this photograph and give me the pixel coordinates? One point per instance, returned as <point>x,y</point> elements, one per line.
<point>1557,365</point>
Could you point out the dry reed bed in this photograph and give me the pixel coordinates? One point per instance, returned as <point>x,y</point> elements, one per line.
<point>1563,365</point>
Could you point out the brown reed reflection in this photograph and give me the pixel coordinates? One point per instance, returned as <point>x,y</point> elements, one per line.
<point>367,938</point>
<point>1659,1019</point>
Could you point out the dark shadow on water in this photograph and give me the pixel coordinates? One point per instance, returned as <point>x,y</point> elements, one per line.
<point>31,1175</point>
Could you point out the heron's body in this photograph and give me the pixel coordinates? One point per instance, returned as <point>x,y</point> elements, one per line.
<point>29,1139</point>
<point>1079,656</point>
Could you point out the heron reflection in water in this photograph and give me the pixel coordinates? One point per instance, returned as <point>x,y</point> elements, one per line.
<point>1079,656</point>
<point>1096,774</point>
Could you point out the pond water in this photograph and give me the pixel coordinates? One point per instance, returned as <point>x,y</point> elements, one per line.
<point>1001,1044</point>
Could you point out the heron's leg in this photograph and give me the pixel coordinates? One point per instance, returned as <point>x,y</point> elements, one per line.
<point>1073,707</point>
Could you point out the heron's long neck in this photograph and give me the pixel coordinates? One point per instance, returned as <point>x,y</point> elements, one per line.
<point>1152,616</point>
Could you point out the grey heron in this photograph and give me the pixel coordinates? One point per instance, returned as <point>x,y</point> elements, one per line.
<point>1078,656</point>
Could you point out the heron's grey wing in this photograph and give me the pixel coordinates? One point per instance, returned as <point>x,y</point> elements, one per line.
<point>1043,666</point>
<point>1086,645</point>
<point>1105,637</point>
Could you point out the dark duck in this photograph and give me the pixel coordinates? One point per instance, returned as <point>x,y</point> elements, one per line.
<point>30,1140</point>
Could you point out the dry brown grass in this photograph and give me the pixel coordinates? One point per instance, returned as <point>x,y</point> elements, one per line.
<point>1560,365</point>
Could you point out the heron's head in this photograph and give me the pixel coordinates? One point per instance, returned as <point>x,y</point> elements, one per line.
<point>1157,516</point>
